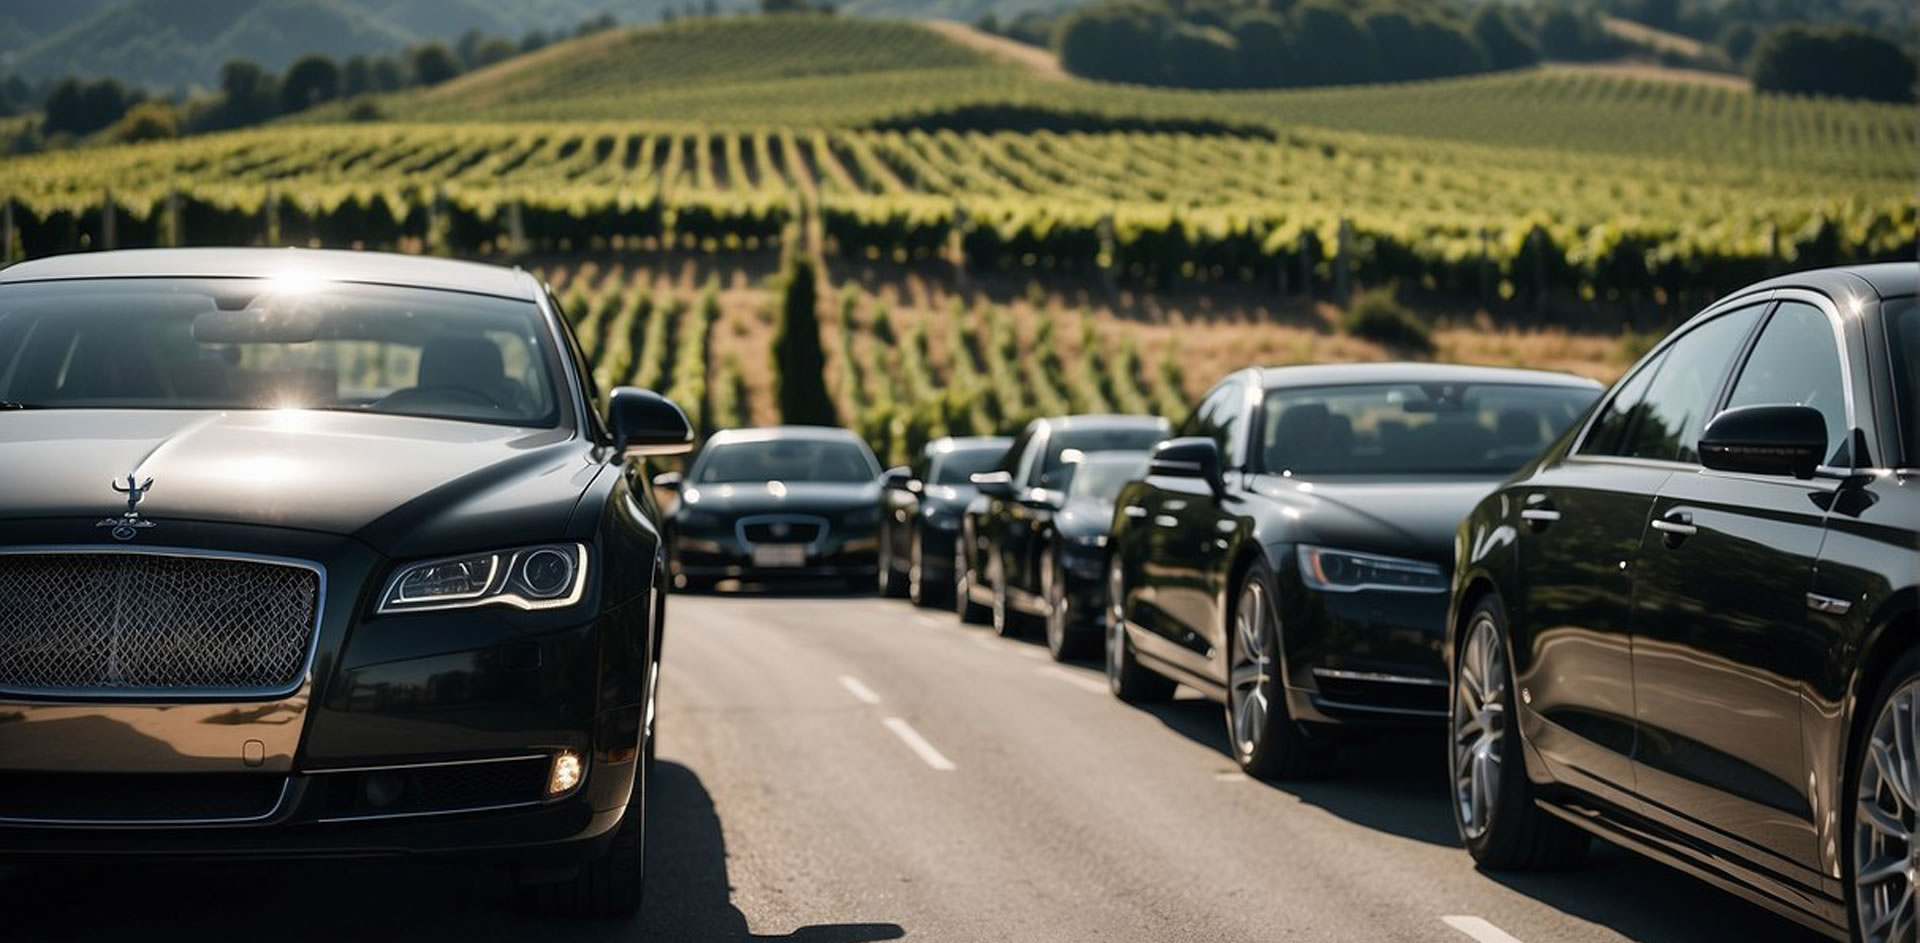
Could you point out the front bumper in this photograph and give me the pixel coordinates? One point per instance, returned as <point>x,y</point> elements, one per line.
<point>1366,658</point>
<point>705,559</point>
<point>422,733</point>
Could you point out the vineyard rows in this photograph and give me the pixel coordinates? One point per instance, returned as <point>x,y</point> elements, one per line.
<point>1159,207</point>
<point>897,388</point>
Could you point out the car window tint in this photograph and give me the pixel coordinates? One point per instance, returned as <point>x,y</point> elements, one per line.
<point>1796,363</point>
<point>958,466</point>
<point>1903,349</point>
<point>786,460</point>
<point>1068,446</point>
<point>1683,391</point>
<point>1608,434</point>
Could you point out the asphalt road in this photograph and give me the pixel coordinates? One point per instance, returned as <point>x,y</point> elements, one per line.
<point>844,769</point>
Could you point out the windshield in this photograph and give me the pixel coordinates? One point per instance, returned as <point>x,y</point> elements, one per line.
<point>260,344</point>
<point>958,466</point>
<point>786,460</point>
<point>1413,430</point>
<point>1101,476</point>
<point>1903,336</point>
<point>1056,471</point>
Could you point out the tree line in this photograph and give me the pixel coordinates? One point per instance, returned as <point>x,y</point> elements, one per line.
<point>248,93</point>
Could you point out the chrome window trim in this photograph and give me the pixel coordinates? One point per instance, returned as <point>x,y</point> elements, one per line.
<point>301,680</point>
<point>1837,324</point>
<point>279,807</point>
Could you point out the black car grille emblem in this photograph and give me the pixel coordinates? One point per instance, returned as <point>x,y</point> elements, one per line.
<point>129,525</point>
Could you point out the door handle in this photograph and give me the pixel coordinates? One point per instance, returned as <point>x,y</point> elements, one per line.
<point>1539,513</point>
<point>1675,528</point>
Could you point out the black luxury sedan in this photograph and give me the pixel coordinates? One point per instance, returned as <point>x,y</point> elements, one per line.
<point>1288,553</point>
<point>1689,626</point>
<point>1073,552</point>
<point>781,503</point>
<point>1006,530</point>
<point>920,511</point>
<point>323,554</point>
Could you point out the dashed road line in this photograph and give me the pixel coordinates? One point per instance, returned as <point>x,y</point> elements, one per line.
<point>1076,679</point>
<point>862,692</point>
<point>1479,929</point>
<point>918,744</point>
<point>1234,777</point>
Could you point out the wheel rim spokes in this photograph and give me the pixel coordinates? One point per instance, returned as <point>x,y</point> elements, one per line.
<point>1116,621</point>
<point>1479,723</point>
<point>1251,676</point>
<point>1885,861</point>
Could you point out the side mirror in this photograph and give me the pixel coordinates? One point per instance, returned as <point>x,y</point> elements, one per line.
<point>995,484</point>
<point>668,481</point>
<point>1195,457</point>
<point>646,423</point>
<point>1044,499</point>
<point>1766,440</point>
<point>897,479</point>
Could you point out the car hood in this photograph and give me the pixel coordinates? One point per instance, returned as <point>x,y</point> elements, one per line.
<point>740,498</point>
<point>403,484</point>
<point>1414,519</point>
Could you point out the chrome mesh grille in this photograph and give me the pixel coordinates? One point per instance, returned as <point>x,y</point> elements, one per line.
<point>149,622</point>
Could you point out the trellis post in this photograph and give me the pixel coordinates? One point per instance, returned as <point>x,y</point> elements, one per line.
<point>108,222</point>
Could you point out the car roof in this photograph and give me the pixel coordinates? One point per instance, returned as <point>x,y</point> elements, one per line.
<point>1398,372</point>
<point>969,443</point>
<point>378,268</point>
<point>1103,421</point>
<point>784,434</point>
<point>1884,279</point>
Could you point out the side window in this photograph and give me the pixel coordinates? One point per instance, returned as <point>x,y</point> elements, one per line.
<point>1796,363</point>
<point>1016,453</point>
<point>1608,433</point>
<point>1682,393</point>
<point>1220,417</point>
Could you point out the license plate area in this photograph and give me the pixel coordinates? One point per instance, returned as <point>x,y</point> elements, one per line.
<point>779,555</point>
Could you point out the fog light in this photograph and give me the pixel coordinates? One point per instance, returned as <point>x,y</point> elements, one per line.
<point>566,773</point>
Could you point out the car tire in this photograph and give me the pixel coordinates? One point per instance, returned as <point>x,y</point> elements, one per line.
<point>1129,680</point>
<point>610,880</point>
<point>972,613</point>
<point>1493,800</point>
<point>1065,639</point>
<point>1006,622</point>
<point>1878,814</point>
<point>919,591</point>
<point>1267,742</point>
<point>891,584</point>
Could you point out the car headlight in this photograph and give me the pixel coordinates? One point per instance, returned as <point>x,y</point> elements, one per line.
<point>547,576</point>
<point>1344,571</point>
<point>861,517</point>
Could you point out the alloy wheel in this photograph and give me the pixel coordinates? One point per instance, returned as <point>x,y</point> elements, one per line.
<point>1479,725</point>
<point>916,585</point>
<point>1116,625</point>
<point>1886,861</point>
<point>1251,676</point>
<point>1054,588</point>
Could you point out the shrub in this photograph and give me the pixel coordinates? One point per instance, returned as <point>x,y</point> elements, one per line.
<point>1376,315</point>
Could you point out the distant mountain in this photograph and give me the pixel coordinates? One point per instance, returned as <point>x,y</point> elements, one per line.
<point>170,43</point>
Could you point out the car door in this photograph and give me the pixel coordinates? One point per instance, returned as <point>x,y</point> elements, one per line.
<point>1580,523</point>
<point>985,516</point>
<point>903,507</point>
<point>1014,518</point>
<point>1723,641</point>
<point>1186,549</point>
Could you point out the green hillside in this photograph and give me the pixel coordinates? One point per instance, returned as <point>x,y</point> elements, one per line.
<point>904,144</point>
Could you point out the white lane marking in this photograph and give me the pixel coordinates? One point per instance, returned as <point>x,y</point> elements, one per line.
<point>1076,679</point>
<point>918,744</point>
<point>1232,778</point>
<point>1479,929</point>
<point>858,690</point>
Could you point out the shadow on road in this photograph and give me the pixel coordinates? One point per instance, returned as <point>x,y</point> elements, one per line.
<point>1397,783</point>
<point>687,896</point>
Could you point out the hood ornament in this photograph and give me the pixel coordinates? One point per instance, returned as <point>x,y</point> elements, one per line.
<point>129,525</point>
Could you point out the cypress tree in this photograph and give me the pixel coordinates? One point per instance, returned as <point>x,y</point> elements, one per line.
<point>800,364</point>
